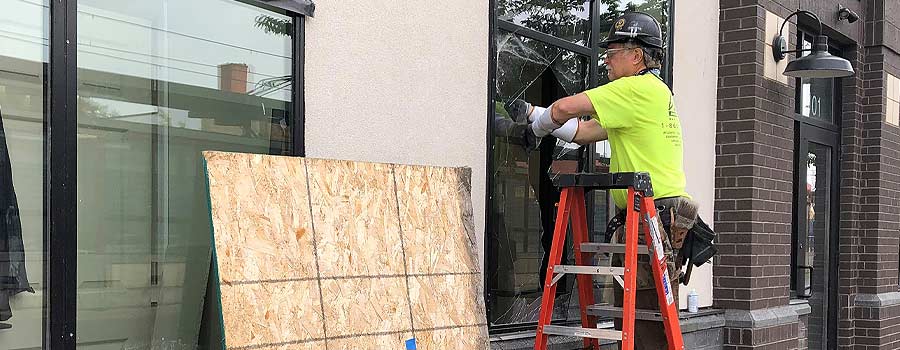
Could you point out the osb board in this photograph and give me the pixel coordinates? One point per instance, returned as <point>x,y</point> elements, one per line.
<point>436,216</point>
<point>358,230</point>
<point>261,235</point>
<point>326,254</point>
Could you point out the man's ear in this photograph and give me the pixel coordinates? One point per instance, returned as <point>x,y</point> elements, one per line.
<point>639,58</point>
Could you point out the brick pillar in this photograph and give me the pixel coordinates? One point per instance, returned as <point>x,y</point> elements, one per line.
<point>754,181</point>
<point>874,308</point>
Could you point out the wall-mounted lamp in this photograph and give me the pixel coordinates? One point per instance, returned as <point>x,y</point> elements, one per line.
<point>818,64</point>
<point>847,14</point>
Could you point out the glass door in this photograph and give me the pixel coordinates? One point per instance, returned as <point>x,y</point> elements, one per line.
<point>815,231</point>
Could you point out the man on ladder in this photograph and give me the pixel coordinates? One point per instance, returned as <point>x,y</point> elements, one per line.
<point>636,113</point>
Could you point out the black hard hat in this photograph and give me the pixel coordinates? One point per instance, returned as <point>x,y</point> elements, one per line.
<point>637,26</point>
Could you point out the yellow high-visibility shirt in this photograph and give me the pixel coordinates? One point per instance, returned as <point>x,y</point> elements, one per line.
<point>638,113</point>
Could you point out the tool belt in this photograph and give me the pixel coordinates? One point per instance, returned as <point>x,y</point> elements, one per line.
<point>692,240</point>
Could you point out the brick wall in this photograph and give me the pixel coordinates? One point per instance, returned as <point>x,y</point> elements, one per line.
<point>754,176</point>
<point>753,168</point>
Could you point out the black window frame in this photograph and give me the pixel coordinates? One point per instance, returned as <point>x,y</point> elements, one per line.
<point>60,163</point>
<point>587,162</point>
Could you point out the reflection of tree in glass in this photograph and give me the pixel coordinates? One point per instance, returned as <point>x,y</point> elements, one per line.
<point>659,9</point>
<point>89,108</point>
<point>556,17</point>
<point>274,25</point>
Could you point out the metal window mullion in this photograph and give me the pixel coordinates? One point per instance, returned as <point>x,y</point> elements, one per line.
<point>298,132</point>
<point>489,158</point>
<point>543,37</point>
<point>670,50</point>
<point>60,167</point>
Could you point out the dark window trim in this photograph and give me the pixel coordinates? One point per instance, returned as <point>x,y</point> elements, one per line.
<point>298,132</point>
<point>285,7</point>
<point>669,62</point>
<point>489,143</point>
<point>60,167</point>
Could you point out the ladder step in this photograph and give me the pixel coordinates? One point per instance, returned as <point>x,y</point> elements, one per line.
<point>589,270</point>
<point>583,332</point>
<point>616,312</point>
<point>612,248</point>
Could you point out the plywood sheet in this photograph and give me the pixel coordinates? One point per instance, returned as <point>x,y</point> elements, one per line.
<point>436,216</point>
<point>272,312</point>
<point>326,254</point>
<point>264,235</point>
<point>366,305</point>
<point>446,301</point>
<point>355,213</point>
<point>389,341</point>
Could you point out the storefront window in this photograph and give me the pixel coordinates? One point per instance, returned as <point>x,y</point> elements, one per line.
<point>160,81</point>
<point>24,52</point>
<point>522,204</point>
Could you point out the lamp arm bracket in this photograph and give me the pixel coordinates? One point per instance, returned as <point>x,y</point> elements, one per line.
<point>813,15</point>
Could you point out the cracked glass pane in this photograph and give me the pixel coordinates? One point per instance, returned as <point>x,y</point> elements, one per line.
<point>565,19</point>
<point>523,197</point>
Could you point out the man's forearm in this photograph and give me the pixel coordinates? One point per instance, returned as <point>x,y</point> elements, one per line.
<point>571,107</point>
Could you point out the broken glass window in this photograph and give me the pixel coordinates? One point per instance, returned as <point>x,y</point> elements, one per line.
<point>523,197</point>
<point>522,203</point>
<point>565,19</point>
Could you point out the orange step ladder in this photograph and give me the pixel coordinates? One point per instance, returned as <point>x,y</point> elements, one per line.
<point>640,207</point>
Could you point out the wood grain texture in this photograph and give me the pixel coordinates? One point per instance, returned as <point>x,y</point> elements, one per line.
<point>262,217</point>
<point>365,305</point>
<point>272,313</point>
<point>327,254</point>
<point>436,216</point>
<point>446,301</point>
<point>355,213</point>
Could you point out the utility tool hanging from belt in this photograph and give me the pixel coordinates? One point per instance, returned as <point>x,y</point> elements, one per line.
<point>691,238</point>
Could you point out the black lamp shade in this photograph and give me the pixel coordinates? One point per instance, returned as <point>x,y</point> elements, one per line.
<point>819,63</point>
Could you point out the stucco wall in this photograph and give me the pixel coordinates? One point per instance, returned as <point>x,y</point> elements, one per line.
<point>400,82</point>
<point>695,73</point>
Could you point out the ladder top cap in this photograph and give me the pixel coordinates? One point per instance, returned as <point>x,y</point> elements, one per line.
<point>640,181</point>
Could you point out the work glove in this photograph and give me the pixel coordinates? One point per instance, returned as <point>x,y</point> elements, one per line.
<point>529,140</point>
<point>543,125</point>
<point>523,112</point>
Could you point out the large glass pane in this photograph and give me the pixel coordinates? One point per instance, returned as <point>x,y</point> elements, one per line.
<point>523,200</point>
<point>160,81</point>
<point>565,19</point>
<point>24,52</point>
<point>812,259</point>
